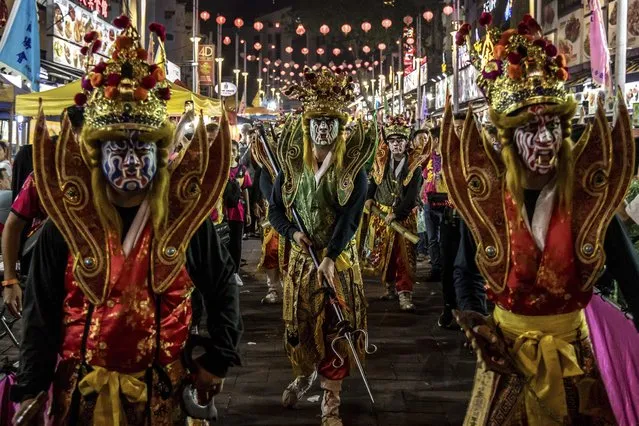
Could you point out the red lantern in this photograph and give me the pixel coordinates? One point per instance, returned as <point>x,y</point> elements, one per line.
<point>264,69</point>
<point>292,74</point>
<point>282,72</point>
<point>428,16</point>
<point>370,68</point>
<point>346,29</point>
<point>258,26</point>
<point>288,50</point>
<point>221,20</point>
<point>408,20</point>
<point>300,31</point>
<point>366,49</point>
<point>350,66</point>
<point>267,61</point>
<point>278,62</point>
<point>205,16</point>
<point>366,63</point>
<point>386,23</point>
<point>320,51</point>
<point>301,74</point>
<point>410,41</point>
<point>296,66</point>
<point>239,22</point>
<point>354,72</point>
<point>257,46</point>
<point>448,10</point>
<point>366,26</point>
<point>227,40</point>
<point>277,25</point>
<point>324,29</point>
<point>304,51</point>
<point>287,65</point>
<point>381,46</point>
<point>336,51</point>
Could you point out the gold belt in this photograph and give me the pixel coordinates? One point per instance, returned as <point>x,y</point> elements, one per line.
<point>544,353</point>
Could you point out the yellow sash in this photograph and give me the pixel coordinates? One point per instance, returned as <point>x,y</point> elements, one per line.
<point>544,354</point>
<point>109,385</point>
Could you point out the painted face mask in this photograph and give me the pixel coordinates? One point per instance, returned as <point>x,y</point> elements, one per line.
<point>397,144</point>
<point>324,130</point>
<point>538,142</point>
<point>129,165</point>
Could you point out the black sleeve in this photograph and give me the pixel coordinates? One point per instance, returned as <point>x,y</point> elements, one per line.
<point>42,314</point>
<point>348,217</point>
<point>468,281</point>
<point>266,186</point>
<point>210,267</point>
<point>409,196</point>
<point>623,265</point>
<point>372,189</point>
<point>277,211</point>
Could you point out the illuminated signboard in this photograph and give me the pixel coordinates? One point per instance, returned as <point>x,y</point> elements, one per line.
<point>70,24</point>
<point>100,6</point>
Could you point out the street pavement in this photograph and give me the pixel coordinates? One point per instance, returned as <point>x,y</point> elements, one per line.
<point>421,374</point>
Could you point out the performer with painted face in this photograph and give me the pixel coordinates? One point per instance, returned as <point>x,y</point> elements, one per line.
<point>538,210</point>
<point>107,309</point>
<point>322,178</point>
<point>394,190</point>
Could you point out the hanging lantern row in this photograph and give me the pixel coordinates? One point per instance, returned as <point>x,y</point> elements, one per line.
<point>428,16</point>
<point>221,20</point>
<point>300,31</point>
<point>366,26</point>
<point>239,23</point>
<point>346,29</point>
<point>226,40</point>
<point>205,16</point>
<point>324,29</point>
<point>258,26</point>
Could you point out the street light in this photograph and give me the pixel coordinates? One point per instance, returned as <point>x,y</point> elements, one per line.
<point>219,61</point>
<point>237,85</point>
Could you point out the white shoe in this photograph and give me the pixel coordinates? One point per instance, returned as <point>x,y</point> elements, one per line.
<point>296,390</point>
<point>237,280</point>
<point>331,402</point>
<point>271,297</point>
<point>406,301</point>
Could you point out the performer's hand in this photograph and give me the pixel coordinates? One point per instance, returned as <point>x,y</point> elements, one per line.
<point>302,240</point>
<point>367,205</point>
<point>257,210</point>
<point>390,217</point>
<point>248,220</point>
<point>490,348</point>
<point>12,296</point>
<point>326,270</point>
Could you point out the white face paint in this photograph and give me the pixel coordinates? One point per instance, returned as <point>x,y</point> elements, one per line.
<point>324,130</point>
<point>397,144</point>
<point>538,141</point>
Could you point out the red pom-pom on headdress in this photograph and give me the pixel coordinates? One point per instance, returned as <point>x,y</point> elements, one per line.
<point>122,22</point>
<point>80,99</point>
<point>159,30</point>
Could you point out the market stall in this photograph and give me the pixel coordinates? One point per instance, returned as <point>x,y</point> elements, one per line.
<point>56,100</point>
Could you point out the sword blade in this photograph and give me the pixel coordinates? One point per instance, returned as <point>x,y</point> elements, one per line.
<point>349,339</point>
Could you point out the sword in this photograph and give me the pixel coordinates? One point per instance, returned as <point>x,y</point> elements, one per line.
<point>396,226</point>
<point>345,329</point>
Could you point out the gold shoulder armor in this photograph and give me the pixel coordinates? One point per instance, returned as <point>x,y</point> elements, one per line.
<point>290,153</point>
<point>604,164</point>
<point>475,178</point>
<point>359,148</point>
<point>64,185</point>
<point>196,185</point>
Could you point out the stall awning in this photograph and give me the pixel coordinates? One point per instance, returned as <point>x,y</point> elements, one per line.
<point>60,71</point>
<point>56,100</point>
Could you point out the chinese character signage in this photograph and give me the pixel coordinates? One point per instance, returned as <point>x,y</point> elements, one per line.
<point>408,44</point>
<point>205,60</point>
<point>410,80</point>
<point>70,24</point>
<point>100,6</point>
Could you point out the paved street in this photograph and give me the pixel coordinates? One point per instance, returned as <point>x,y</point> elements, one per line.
<point>421,374</point>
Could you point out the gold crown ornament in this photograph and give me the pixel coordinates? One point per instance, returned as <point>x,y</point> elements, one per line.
<point>519,67</point>
<point>125,92</point>
<point>398,125</point>
<point>323,93</point>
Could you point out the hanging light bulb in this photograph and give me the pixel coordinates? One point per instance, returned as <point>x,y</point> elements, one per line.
<point>428,16</point>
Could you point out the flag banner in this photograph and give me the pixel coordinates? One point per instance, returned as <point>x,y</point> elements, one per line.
<point>20,44</point>
<point>599,54</point>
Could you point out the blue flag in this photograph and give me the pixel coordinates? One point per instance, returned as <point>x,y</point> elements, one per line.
<point>20,44</point>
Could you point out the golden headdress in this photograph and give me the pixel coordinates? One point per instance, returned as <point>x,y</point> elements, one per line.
<point>519,67</point>
<point>398,125</point>
<point>126,92</point>
<point>323,93</point>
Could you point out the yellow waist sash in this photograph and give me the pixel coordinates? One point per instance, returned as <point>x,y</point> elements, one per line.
<point>110,385</point>
<point>342,263</point>
<point>544,353</point>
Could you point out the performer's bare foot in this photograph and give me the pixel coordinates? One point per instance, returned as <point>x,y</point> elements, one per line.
<point>296,389</point>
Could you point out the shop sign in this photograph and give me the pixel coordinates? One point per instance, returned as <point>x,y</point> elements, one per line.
<point>70,24</point>
<point>410,80</point>
<point>206,59</point>
<point>408,47</point>
<point>228,89</point>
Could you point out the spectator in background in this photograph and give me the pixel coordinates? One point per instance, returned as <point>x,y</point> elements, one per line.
<point>22,168</point>
<point>236,203</point>
<point>5,167</point>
